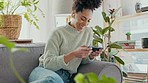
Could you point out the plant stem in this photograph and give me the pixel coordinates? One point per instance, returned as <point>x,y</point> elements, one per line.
<point>7,7</point>
<point>14,69</point>
<point>17,6</point>
<point>15,9</point>
<point>109,37</point>
<point>2,12</point>
<point>12,7</point>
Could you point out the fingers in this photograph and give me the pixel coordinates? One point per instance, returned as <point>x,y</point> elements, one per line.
<point>96,53</point>
<point>82,51</point>
<point>85,48</point>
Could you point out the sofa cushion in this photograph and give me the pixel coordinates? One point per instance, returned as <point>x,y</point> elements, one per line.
<point>24,62</point>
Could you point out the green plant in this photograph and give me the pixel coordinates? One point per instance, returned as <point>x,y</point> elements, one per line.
<point>11,48</point>
<point>92,78</point>
<point>28,9</point>
<point>103,34</point>
<point>128,33</point>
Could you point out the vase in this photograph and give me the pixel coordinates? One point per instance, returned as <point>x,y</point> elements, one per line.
<point>10,26</point>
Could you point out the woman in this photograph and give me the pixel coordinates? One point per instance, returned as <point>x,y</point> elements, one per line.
<point>67,48</point>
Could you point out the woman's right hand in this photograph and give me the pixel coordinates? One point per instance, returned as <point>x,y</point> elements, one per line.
<point>82,51</point>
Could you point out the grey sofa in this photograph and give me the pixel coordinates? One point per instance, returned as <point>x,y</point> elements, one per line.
<point>25,62</point>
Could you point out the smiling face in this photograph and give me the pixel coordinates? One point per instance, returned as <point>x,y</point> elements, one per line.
<point>81,19</point>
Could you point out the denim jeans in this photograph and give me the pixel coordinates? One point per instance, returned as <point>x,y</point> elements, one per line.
<point>64,74</point>
<point>42,75</point>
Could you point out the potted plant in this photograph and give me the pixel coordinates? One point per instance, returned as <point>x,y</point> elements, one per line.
<point>103,34</point>
<point>10,16</point>
<point>128,34</point>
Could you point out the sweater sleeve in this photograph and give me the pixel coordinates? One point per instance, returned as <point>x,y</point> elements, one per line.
<point>52,60</point>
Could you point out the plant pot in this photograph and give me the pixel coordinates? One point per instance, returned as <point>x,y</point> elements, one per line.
<point>10,26</point>
<point>128,37</point>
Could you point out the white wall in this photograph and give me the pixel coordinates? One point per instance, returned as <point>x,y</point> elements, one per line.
<point>62,6</point>
<point>47,24</point>
<point>97,18</point>
<point>31,32</point>
<point>43,33</point>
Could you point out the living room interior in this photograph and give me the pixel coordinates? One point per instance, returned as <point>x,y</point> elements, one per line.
<point>132,18</point>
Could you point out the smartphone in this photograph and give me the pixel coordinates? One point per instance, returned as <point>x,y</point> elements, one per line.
<point>95,48</point>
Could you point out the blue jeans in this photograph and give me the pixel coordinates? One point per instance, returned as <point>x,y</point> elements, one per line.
<point>42,75</point>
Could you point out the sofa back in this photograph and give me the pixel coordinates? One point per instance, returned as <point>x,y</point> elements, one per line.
<point>24,62</point>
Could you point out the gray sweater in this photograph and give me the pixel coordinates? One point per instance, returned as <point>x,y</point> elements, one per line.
<point>64,40</point>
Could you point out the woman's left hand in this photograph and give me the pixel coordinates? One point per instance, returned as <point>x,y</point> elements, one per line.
<point>94,54</point>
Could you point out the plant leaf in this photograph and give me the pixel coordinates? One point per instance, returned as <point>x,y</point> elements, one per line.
<point>92,77</point>
<point>96,32</point>
<point>99,29</point>
<point>105,30</point>
<point>5,41</point>
<point>114,45</point>
<point>104,16</point>
<point>119,60</point>
<point>35,24</point>
<point>26,3</point>
<point>111,22</point>
<point>27,18</point>
<point>100,40</point>
<point>35,8</point>
<point>95,43</point>
<point>36,2</point>
<point>105,79</point>
<point>80,78</point>
<point>1,5</point>
<point>124,74</point>
<point>108,19</point>
<point>112,29</point>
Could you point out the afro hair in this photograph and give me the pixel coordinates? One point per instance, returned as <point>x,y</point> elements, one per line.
<point>79,5</point>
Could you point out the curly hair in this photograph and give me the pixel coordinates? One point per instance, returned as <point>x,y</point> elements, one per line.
<point>79,5</point>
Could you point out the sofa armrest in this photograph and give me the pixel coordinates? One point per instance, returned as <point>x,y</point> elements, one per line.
<point>99,67</point>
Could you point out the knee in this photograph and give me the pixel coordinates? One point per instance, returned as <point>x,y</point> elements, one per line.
<point>48,79</point>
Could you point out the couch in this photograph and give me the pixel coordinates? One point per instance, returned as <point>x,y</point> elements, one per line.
<point>25,62</point>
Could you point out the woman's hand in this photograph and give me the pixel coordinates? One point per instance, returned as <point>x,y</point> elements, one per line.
<point>94,54</point>
<point>82,51</point>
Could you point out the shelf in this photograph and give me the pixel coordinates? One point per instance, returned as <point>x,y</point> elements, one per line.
<point>122,18</point>
<point>136,50</point>
<point>137,74</point>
